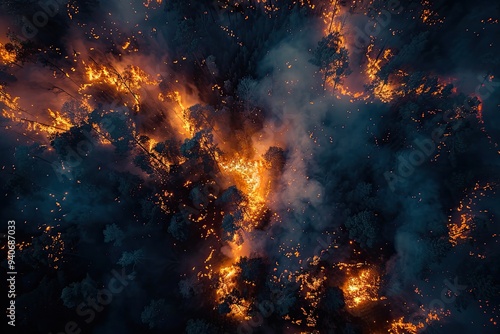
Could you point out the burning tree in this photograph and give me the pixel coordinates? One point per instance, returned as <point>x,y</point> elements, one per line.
<point>230,182</point>
<point>332,58</point>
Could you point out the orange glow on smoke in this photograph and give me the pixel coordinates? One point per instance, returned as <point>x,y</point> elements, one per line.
<point>227,281</point>
<point>243,167</point>
<point>248,172</point>
<point>332,19</point>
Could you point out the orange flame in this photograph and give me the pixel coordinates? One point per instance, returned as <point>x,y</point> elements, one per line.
<point>361,288</point>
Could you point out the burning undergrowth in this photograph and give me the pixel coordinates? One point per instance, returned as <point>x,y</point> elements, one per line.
<point>249,160</point>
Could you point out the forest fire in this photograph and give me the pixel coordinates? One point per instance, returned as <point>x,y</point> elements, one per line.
<point>332,19</point>
<point>127,81</point>
<point>461,230</point>
<point>250,177</point>
<point>227,281</point>
<point>6,57</point>
<point>230,158</point>
<point>311,286</point>
<point>361,287</point>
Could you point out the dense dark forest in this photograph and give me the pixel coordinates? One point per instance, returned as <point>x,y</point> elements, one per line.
<point>272,166</point>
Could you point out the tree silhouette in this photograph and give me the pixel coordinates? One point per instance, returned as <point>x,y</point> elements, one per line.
<point>332,58</point>
<point>179,227</point>
<point>154,315</point>
<point>113,233</point>
<point>79,292</point>
<point>333,300</point>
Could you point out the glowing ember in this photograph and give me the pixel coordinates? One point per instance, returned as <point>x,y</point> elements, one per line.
<point>147,3</point>
<point>250,178</point>
<point>227,281</point>
<point>361,288</point>
<point>234,154</point>
<point>460,231</point>
<point>6,57</point>
<point>130,80</point>
<point>420,321</point>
